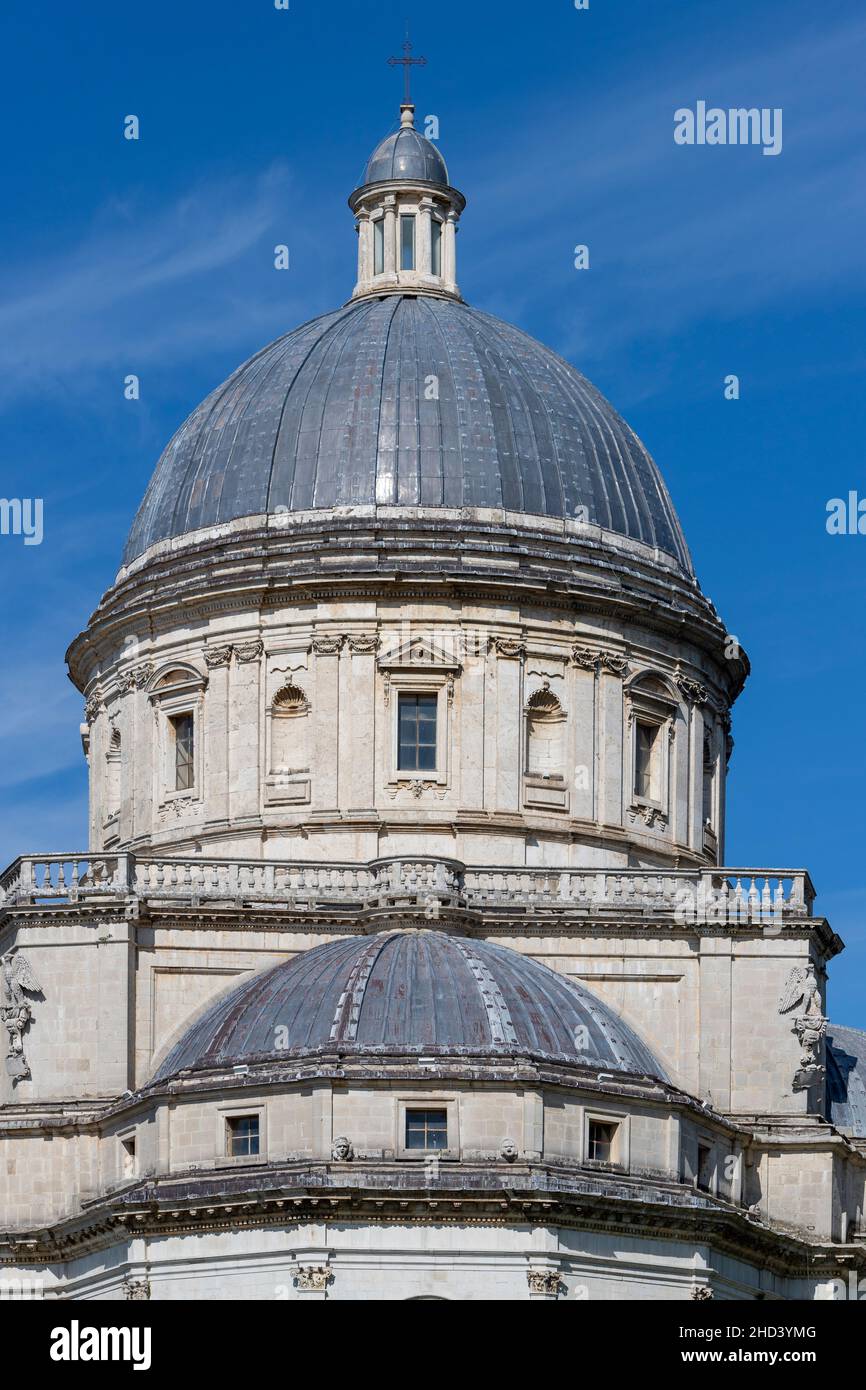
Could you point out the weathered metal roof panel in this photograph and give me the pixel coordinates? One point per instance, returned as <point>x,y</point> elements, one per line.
<point>407,991</point>
<point>406,401</point>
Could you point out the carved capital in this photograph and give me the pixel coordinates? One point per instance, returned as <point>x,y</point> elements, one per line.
<point>313,1277</point>
<point>509,647</point>
<point>327,646</point>
<point>249,651</point>
<point>701,1292</point>
<point>364,645</point>
<point>218,656</point>
<point>585,657</point>
<point>614,662</point>
<point>136,1289</point>
<point>544,1281</point>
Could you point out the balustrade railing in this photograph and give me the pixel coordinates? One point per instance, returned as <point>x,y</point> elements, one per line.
<point>687,895</point>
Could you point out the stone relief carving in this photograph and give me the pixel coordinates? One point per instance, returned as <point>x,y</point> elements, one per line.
<point>802,993</point>
<point>544,1281</point>
<point>508,647</point>
<point>695,693</point>
<point>218,656</point>
<point>364,645</point>
<point>136,1289</point>
<point>650,815</point>
<point>605,660</point>
<point>327,646</point>
<point>249,651</point>
<point>136,677</point>
<point>508,1151</point>
<point>18,979</point>
<point>701,1292</point>
<point>313,1277</point>
<point>342,1150</point>
<point>92,707</point>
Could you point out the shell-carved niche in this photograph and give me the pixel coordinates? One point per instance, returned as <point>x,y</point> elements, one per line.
<point>289,721</point>
<point>545,735</point>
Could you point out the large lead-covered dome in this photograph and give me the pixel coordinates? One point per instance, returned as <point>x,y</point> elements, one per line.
<point>409,992</point>
<point>407,400</point>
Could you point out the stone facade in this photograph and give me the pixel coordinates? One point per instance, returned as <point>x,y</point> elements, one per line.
<point>242,688</point>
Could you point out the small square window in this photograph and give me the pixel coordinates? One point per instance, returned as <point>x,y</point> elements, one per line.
<point>416,733</point>
<point>242,1136</point>
<point>426,1129</point>
<point>183,731</point>
<point>601,1138</point>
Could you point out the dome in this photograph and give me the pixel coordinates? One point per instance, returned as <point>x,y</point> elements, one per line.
<point>846,1079</point>
<point>409,992</point>
<point>407,400</point>
<point>406,155</point>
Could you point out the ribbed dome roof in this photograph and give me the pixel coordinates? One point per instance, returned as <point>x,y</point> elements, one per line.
<point>409,992</point>
<point>409,401</point>
<point>406,155</point>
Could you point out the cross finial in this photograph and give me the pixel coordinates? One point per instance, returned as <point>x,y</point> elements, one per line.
<point>407,63</point>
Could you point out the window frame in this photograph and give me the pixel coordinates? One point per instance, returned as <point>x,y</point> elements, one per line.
<point>403,697</point>
<point>185,697</point>
<point>408,219</point>
<point>619,1159</point>
<point>378,245</point>
<point>437,238</point>
<point>228,1113</point>
<point>419,1101</point>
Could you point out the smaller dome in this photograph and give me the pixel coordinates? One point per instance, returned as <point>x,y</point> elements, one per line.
<point>406,155</point>
<point>409,992</point>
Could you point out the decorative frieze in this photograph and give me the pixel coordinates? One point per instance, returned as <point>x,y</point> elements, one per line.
<point>508,647</point>
<point>327,646</point>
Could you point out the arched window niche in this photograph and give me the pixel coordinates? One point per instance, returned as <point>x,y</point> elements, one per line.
<point>545,725</point>
<point>652,707</point>
<point>288,743</point>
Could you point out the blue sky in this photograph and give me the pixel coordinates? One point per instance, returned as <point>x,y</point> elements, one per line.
<point>156,257</point>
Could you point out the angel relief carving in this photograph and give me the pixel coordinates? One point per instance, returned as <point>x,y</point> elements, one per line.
<point>16,1010</point>
<point>802,993</point>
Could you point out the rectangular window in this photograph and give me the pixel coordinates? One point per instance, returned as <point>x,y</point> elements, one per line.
<point>600,1141</point>
<point>127,1152</point>
<point>436,247</point>
<point>242,1136</point>
<point>705,1167</point>
<point>416,733</point>
<point>645,780</point>
<point>379,246</point>
<point>184,763</point>
<point>426,1129</point>
<point>407,243</point>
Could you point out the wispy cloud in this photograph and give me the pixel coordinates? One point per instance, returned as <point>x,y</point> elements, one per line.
<point>147,284</point>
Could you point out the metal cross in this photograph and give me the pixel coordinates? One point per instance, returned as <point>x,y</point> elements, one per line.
<point>407,63</point>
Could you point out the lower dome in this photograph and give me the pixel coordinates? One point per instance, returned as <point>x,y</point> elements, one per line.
<point>408,992</point>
